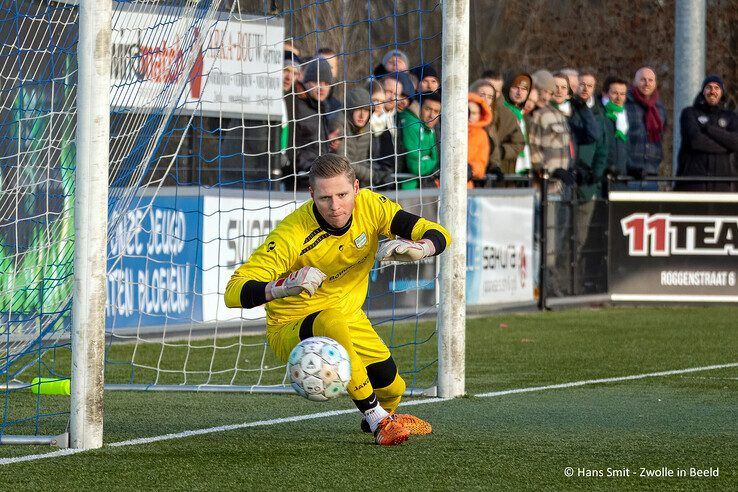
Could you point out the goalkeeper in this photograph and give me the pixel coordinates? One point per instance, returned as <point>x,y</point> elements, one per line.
<point>312,271</point>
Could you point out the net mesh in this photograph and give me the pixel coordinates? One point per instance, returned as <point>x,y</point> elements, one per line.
<point>204,162</point>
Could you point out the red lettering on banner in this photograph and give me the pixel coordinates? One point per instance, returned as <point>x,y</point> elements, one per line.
<point>667,234</point>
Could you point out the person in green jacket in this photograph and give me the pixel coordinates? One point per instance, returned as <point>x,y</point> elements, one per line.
<point>419,141</point>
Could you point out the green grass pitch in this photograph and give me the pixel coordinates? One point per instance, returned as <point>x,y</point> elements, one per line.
<point>518,441</point>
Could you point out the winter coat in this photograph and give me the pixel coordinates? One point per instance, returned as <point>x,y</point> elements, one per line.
<point>309,129</point>
<point>509,135</point>
<point>479,146</point>
<point>364,152</point>
<point>590,147</point>
<point>512,141</point>
<point>421,153</point>
<point>550,139</point>
<point>644,155</point>
<point>709,146</point>
<point>356,147</point>
<point>618,157</point>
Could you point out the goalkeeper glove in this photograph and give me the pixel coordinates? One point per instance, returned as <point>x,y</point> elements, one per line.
<point>306,279</point>
<point>404,250</point>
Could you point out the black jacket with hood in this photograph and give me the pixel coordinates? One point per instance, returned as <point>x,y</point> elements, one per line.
<point>709,144</point>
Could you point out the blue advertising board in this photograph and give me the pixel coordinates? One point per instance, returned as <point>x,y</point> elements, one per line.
<point>154,253</point>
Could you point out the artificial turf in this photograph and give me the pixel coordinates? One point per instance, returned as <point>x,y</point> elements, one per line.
<point>514,441</point>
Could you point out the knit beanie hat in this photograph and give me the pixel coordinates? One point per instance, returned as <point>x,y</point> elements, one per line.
<point>424,71</point>
<point>543,80</point>
<point>398,53</point>
<point>408,88</point>
<point>714,79</point>
<point>291,60</point>
<point>358,98</point>
<point>311,69</point>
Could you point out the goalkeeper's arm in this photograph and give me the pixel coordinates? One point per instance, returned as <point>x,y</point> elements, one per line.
<point>306,279</point>
<point>423,238</point>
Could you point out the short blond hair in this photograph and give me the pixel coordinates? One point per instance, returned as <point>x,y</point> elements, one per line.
<point>329,166</point>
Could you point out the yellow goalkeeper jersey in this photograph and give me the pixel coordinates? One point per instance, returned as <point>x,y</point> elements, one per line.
<point>347,258</point>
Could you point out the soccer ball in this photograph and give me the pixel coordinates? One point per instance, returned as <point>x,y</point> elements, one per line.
<point>319,368</point>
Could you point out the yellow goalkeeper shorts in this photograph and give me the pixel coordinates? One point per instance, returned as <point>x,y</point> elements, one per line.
<point>352,330</point>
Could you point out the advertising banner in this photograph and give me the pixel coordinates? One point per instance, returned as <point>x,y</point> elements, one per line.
<point>154,263</point>
<point>500,263</point>
<point>673,247</point>
<point>230,67</point>
<point>233,227</point>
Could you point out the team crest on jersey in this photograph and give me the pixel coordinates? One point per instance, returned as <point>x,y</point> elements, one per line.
<point>361,240</point>
<point>723,122</point>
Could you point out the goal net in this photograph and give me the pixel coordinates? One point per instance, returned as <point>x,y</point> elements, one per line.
<point>210,127</point>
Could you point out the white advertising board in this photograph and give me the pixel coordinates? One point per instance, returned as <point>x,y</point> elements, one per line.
<point>232,228</point>
<point>500,263</point>
<point>229,67</point>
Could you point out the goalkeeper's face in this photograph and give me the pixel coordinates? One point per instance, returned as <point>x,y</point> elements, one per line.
<point>334,198</point>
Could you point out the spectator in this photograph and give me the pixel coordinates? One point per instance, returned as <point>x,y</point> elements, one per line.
<point>289,47</point>
<point>358,141</point>
<point>311,132</point>
<point>407,93</point>
<point>480,117</point>
<point>544,85</point>
<point>590,144</point>
<point>550,137</point>
<point>393,61</point>
<point>393,90</point>
<point>290,75</point>
<point>378,120</point>
<point>486,91</point>
<point>617,126</point>
<point>572,76</point>
<point>550,148</point>
<point>334,102</point>
<point>532,103</point>
<point>419,141</point>
<point>427,76</point>
<point>493,77</point>
<point>383,145</point>
<point>514,151</point>
<point>590,151</point>
<point>709,139</point>
<point>331,57</point>
<point>290,72</point>
<point>646,122</point>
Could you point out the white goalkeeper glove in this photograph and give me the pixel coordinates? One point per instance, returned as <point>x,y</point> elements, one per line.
<point>404,250</point>
<point>306,279</point>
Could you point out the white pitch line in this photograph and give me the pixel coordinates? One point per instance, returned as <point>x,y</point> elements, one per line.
<point>606,380</point>
<point>333,413</point>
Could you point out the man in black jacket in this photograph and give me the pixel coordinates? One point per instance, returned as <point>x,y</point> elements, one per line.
<point>709,140</point>
<point>312,131</point>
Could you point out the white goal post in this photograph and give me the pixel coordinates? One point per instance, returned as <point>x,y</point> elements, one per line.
<point>90,224</point>
<point>454,148</point>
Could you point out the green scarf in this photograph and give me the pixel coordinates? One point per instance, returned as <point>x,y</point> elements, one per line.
<point>611,111</point>
<point>518,112</point>
<point>519,115</point>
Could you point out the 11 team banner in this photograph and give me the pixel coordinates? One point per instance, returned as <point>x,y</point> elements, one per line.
<point>673,247</point>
